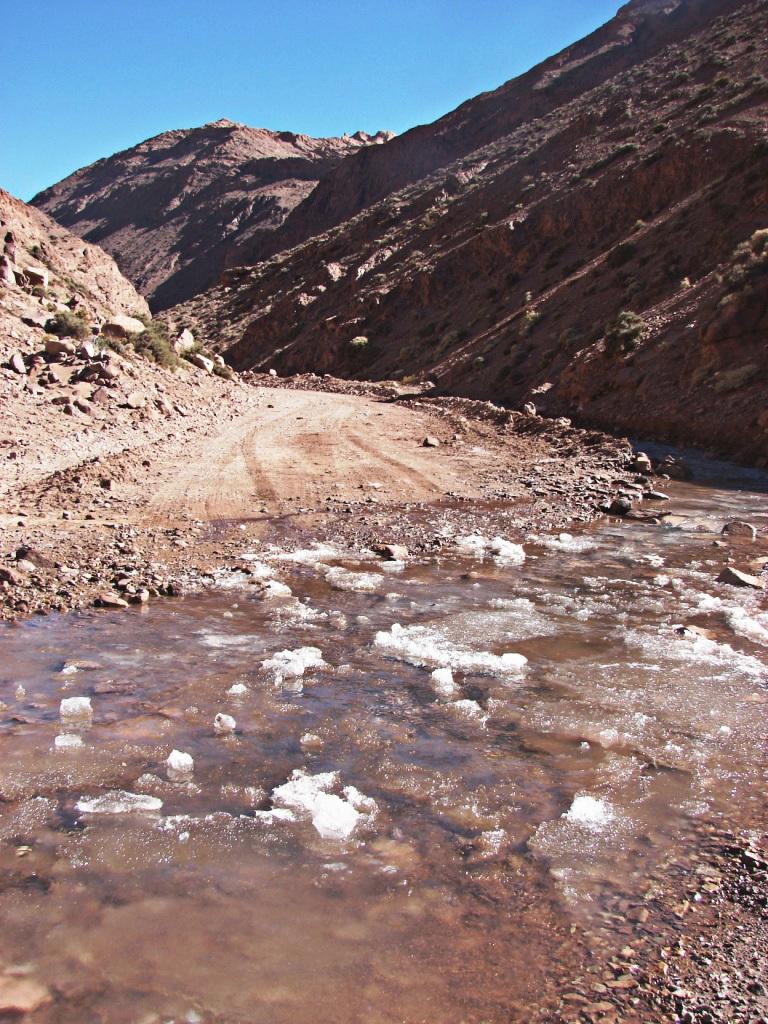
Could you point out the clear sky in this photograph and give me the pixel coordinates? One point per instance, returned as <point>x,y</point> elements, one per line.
<point>82,79</point>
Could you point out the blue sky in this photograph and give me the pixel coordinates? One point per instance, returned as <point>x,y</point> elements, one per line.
<point>82,79</point>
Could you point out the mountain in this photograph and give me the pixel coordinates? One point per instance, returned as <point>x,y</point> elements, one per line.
<point>588,237</point>
<point>177,209</point>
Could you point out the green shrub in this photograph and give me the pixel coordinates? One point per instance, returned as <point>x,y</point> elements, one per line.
<point>69,325</point>
<point>730,380</point>
<point>359,342</point>
<point>223,371</point>
<point>623,334</point>
<point>154,344</point>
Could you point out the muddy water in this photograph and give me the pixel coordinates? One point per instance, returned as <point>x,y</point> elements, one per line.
<point>491,824</point>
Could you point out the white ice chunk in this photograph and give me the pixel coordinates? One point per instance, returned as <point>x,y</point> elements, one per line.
<point>442,680</point>
<point>224,725</point>
<point>118,802</point>
<point>272,817</point>
<point>420,645</point>
<point>333,817</point>
<point>470,708</point>
<point>237,690</point>
<point>301,790</point>
<point>180,766</point>
<point>72,708</point>
<point>589,811</point>
<point>293,664</point>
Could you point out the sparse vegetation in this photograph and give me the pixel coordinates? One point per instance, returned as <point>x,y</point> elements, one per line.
<point>358,343</point>
<point>624,333</point>
<point>154,344</point>
<point>69,325</point>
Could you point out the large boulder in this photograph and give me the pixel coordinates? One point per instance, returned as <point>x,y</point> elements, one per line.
<point>60,346</point>
<point>122,326</point>
<point>36,276</point>
<point>201,361</point>
<point>185,342</point>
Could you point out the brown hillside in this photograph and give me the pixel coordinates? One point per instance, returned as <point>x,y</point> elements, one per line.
<point>618,178</point>
<point>177,209</point>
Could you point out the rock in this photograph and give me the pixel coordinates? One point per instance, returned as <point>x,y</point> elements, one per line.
<point>7,271</point>
<point>735,578</point>
<point>109,600</point>
<point>641,463</point>
<point>122,326</point>
<point>691,631</point>
<point>430,442</point>
<point>17,364</point>
<point>392,552</point>
<point>311,742</point>
<point>101,396</point>
<point>620,506</point>
<point>60,347</point>
<point>675,469</point>
<point>224,725</point>
<point>140,597</point>
<point>87,350</point>
<point>529,409</point>
<point>36,276</point>
<point>83,406</point>
<point>273,373</point>
<point>24,565</point>
<point>184,343</point>
<point>656,496</point>
<point>135,400</point>
<point>201,361</point>
<point>738,528</point>
<point>11,576</point>
<point>22,995</point>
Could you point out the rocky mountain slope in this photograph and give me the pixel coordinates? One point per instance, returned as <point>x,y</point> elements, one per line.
<point>587,237</point>
<point>178,208</point>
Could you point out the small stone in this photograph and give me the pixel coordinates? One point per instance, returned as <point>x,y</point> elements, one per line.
<point>529,409</point>
<point>642,463</point>
<point>60,347</point>
<point>735,578</point>
<point>135,400</point>
<point>11,576</point>
<point>430,442</point>
<point>17,364</point>
<point>110,600</point>
<point>620,506</point>
<point>311,742</point>
<point>392,552</point>
<point>201,362</point>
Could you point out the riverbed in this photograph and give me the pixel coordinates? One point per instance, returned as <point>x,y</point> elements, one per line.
<point>430,782</point>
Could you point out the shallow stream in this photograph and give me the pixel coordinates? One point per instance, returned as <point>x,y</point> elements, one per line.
<point>496,809</point>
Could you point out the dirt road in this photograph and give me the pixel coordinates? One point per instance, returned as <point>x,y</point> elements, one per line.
<point>301,448</point>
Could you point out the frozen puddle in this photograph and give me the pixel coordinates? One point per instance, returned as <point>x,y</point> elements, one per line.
<point>331,789</point>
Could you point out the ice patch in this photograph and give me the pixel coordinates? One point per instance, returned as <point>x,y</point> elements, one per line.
<point>564,542</point>
<point>345,579</point>
<point>311,556</point>
<point>67,741</point>
<point>422,646</point>
<point>470,709</point>
<point>118,802</point>
<point>589,811</point>
<point>745,625</point>
<point>503,551</point>
<point>237,690</point>
<point>274,588</point>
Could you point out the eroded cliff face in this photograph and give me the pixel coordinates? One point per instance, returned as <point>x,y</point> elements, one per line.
<point>576,252</point>
<point>177,209</point>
